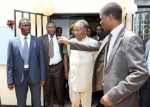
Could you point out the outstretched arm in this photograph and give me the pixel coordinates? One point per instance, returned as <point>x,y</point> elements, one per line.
<point>94,46</point>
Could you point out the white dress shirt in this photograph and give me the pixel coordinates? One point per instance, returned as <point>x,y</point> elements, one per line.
<point>22,44</point>
<point>57,57</point>
<point>114,33</point>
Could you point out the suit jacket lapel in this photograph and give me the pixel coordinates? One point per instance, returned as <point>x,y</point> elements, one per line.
<point>20,46</point>
<point>47,41</point>
<point>103,44</point>
<point>31,45</point>
<point>113,52</point>
<point>115,46</point>
<point>147,48</point>
<point>105,55</point>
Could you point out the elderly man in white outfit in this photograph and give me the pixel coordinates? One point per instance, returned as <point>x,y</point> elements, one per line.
<point>81,68</point>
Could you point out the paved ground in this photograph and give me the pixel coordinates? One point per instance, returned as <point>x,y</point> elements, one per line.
<point>67,105</point>
<point>55,105</point>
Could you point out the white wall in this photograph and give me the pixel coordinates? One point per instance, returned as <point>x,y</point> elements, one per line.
<point>65,24</point>
<point>8,97</point>
<point>5,34</point>
<point>56,6</point>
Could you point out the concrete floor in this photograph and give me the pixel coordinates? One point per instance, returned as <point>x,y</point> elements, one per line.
<point>55,105</point>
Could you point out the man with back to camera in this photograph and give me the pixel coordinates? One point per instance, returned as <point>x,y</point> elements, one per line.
<point>125,68</point>
<point>25,65</point>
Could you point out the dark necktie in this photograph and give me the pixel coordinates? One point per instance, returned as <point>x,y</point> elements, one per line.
<point>25,51</point>
<point>108,43</point>
<point>51,47</point>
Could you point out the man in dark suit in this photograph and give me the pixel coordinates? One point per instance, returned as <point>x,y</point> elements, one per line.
<point>145,90</point>
<point>125,68</point>
<point>25,65</point>
<point>54,65</point>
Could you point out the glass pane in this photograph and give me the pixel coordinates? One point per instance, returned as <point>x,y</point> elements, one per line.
<point>141,22</point>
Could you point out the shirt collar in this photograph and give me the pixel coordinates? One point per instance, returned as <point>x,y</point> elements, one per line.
<point>49,36</point>
<point>83,38</point>
<point>28,36</point>
<point>116,30</point>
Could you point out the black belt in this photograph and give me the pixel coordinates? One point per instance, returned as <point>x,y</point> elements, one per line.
<point>55,64</point>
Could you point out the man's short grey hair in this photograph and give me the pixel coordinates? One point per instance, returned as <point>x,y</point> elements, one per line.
<point>82,23</point>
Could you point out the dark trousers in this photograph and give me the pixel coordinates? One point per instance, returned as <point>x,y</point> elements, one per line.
<point>66,91</point>
<point>145,94</point>
<point>96,96</point>
<point>22,89</point>
<point>54,80</point>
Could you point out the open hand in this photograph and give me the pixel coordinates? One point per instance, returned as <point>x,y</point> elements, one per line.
<point>64,40</point>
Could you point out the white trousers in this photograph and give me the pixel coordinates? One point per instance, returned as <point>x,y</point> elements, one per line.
<point>83,98</point>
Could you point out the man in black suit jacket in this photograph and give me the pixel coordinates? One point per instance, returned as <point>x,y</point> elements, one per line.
<point>54,66</point>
